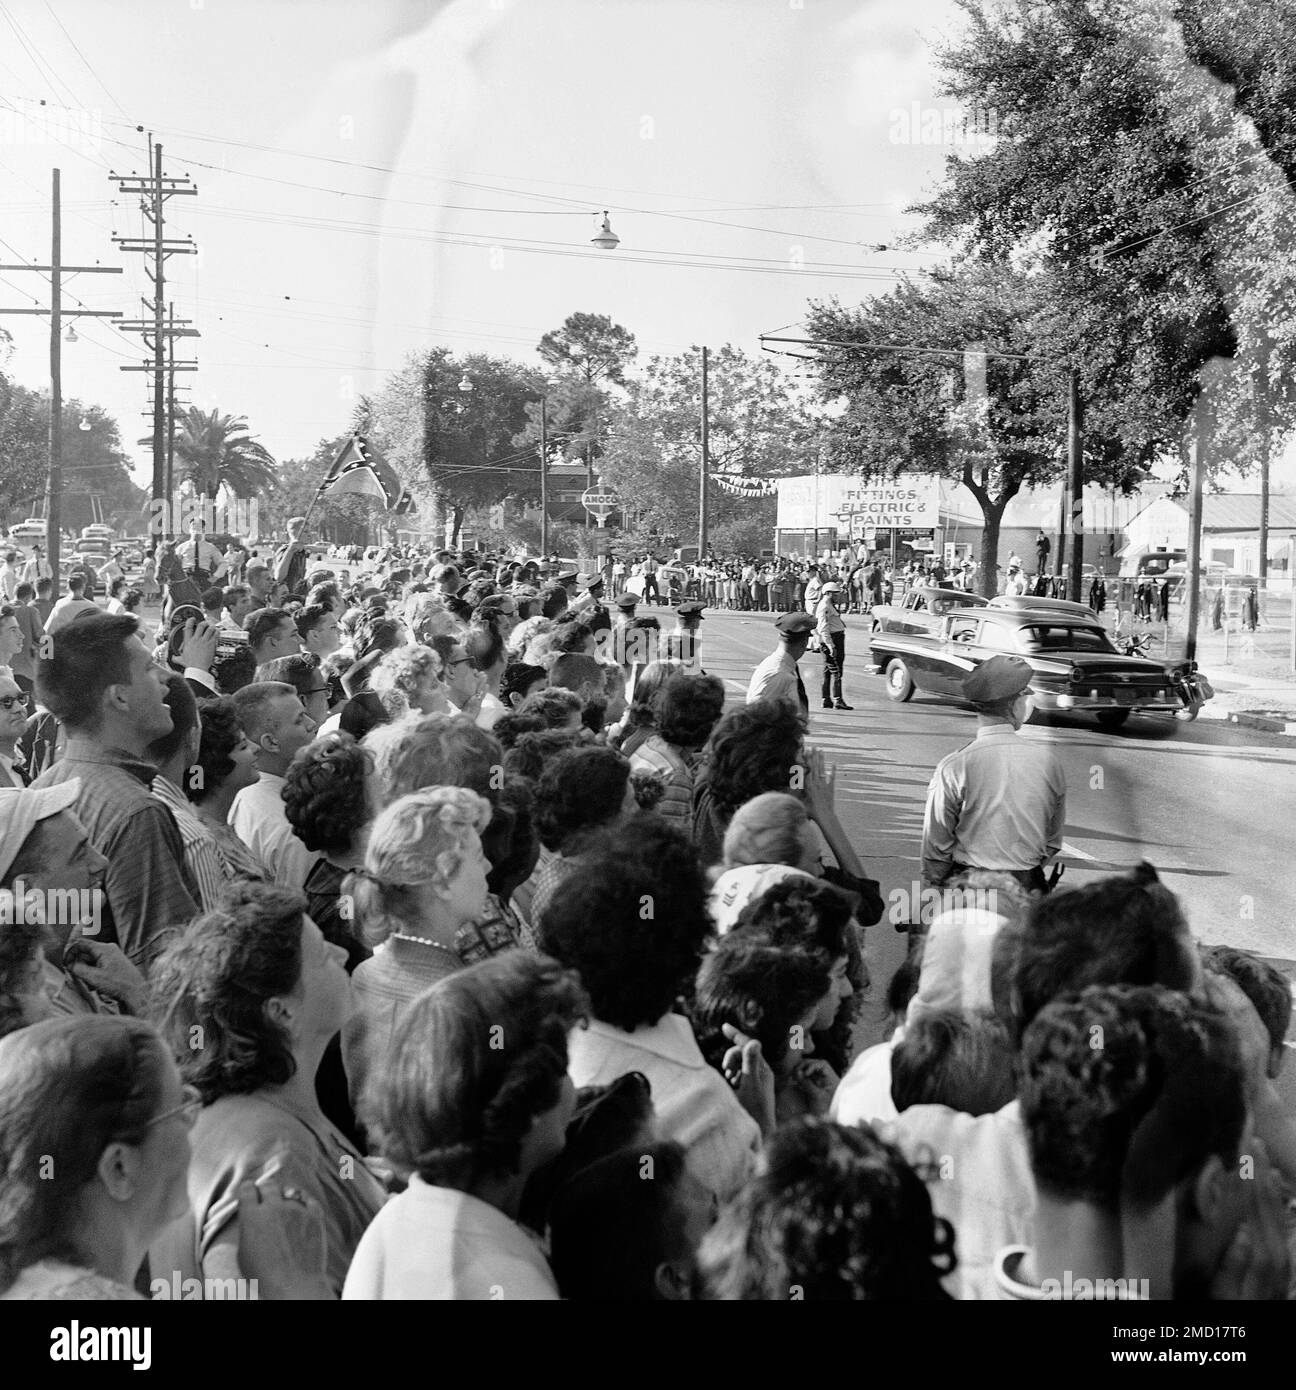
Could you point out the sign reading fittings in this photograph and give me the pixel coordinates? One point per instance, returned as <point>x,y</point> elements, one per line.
<point>909,502</point>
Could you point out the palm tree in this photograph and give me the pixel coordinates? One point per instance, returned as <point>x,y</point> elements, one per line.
<point>212,450</point>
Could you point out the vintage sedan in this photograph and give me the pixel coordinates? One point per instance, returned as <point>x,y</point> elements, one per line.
<point>922,609</point>
<point>1077,669</point>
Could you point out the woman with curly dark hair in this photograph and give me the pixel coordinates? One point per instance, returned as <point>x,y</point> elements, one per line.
<point>755,749</point>
<point>687,709</point>
<point>580,792</point>
<point>474,1098</point>
<point>326,800</point>
<point>263,993</point>
<point>779,995</point>
<point>226,764</point>
<point>834,1214</point>
<point>631,918</point>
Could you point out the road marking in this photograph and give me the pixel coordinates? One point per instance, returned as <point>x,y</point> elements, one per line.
<point>1078,853</point>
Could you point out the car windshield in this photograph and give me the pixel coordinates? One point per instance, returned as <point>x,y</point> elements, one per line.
<point>1056,638</point>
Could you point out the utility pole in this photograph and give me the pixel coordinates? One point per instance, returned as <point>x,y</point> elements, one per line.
<point>1075,469</point>
<point>155,189</point>
<point>55,271</point>
<point>174,328</point>
<point>706,458</point>
<point>1199,447</point>
<point>544,478</point>
<point>1262,404</point>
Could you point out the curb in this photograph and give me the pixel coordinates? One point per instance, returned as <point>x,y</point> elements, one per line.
<point>1267,723</point>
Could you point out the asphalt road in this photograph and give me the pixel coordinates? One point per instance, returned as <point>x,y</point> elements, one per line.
<point>1212,806</point>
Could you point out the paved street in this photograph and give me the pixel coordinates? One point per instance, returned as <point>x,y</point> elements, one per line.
<point>1210,805</point>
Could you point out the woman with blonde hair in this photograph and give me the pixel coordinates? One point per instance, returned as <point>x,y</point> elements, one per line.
<point>409,679</point>
<point>423,880</point>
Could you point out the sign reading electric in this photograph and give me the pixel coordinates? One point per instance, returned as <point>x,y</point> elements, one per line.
<point>911,502</point>
<point>889,506</point>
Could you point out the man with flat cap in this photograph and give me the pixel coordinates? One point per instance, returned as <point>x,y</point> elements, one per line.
<point>777,677</point>
<point>684,644</point>
<point>999,803</point>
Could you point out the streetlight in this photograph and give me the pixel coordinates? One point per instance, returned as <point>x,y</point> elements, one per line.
<point>71,335</point>
<point>607,239</point>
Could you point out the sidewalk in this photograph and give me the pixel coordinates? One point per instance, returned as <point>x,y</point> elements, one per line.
<point>1255,685</point>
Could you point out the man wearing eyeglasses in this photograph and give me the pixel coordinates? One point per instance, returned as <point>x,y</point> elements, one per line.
<point>13,720</point>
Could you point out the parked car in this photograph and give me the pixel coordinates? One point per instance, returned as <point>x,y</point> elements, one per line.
<point>1076,667</point>
<point>922,609</point>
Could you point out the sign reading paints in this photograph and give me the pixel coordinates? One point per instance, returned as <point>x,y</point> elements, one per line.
<point>911,501</point>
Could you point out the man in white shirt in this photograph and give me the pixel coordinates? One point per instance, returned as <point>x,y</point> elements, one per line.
<point>71,605</point>
<point>777,677</point>
<point>200,558</point>
<point>37,568</point>
<point>10,577</point>
<point>1000,802</point>
<point>275,719</point>
<point>238,603</point>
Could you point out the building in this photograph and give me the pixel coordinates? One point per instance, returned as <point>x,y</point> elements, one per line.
<point>1230,532</point>
<point>833,510</point>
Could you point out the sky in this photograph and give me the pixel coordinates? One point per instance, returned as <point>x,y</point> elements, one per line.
<point>379,178</point>
<point>382,177</point>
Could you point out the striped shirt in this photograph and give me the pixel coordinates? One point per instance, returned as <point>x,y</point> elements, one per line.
<point>149,889</point>
<point>677,772</point>
<point>202,857</point>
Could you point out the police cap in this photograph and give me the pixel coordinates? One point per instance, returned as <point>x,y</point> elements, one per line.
<point>1000,678</point>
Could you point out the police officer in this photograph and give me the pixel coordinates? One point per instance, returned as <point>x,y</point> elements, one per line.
<point>999,803</point>
<point>684,644</point>
<point>589,603</point>
<point>625,605</point>
<point>777,677</point>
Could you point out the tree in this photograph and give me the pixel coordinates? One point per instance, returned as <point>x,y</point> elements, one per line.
<point>1125,172</point>
<point>917,411</point>
<point>95,468</point>
<point>214,451</point>
<point>24,446</point>
<point>591,347</point>
<point>454,449</point>
<point>759,427</point>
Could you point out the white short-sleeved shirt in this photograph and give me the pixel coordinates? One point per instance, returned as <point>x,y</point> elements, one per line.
<point>692,1101</point>
<point>438,1243</point>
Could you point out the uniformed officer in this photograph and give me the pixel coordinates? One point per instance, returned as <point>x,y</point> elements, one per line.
<point>777,677</point>
<point>589,603</point>
<point>684,644</point>
<point>999,803</point>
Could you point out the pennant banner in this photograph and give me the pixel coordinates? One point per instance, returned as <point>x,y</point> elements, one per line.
<point>746,487</point>
<point>358,469</point>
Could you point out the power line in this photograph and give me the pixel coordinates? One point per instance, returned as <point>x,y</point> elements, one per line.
<point>83,58</point>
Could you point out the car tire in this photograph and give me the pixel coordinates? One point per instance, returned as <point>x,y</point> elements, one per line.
<point>1112,718</point>
<point>899,683</point>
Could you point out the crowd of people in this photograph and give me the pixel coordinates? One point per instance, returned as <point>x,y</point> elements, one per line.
<point>434,929</point>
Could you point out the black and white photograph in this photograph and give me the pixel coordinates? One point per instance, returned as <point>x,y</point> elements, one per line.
<point>647,653</point>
